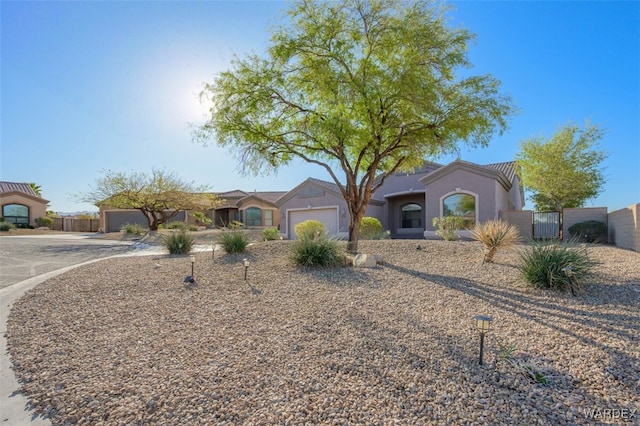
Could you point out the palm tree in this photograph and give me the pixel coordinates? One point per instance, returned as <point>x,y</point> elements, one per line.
<point>36,188</point>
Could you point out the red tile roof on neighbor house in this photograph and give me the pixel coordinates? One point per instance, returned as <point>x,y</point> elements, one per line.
<point>25,188</point>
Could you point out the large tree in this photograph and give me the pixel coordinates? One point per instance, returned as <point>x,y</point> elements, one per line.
<point>160,195</point>
<point>362,88</point>
<point>564,171</point>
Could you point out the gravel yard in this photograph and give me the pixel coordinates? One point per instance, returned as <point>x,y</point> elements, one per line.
<point>125,341</point>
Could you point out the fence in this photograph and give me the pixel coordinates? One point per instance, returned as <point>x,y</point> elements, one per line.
<point>72,224</point>
<point>623,224</point>
<point>624,227</point>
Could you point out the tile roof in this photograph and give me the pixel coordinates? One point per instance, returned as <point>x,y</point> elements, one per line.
<point>331,186</point>
<point>508,169</point>
<point>17,187</point>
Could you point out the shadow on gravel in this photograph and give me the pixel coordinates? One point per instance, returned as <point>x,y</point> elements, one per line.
<point>547,313</point>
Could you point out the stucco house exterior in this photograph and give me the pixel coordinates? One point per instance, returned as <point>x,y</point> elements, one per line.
<point>405,204</point>
<point>20,205</point>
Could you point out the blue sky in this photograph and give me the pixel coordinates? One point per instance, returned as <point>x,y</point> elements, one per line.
<point>90,86</point>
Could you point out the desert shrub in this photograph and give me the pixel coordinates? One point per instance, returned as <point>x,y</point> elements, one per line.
<point>590,231</point>
<point>448,225</point>
<point>233,241</point>
<point>370,228</point>
<point>6,226</point>
<point>236,225</point>
<point>132,228</point>
<point>316,250</point>
<point>46,221</point>
<point>192,227</point>
<point>202,219</point>
<point>176,224</point>
<point>494,235</point>
<point>557,266</point>
<point>178,242</point>
<point>309,229</point>
<point>269,234</point>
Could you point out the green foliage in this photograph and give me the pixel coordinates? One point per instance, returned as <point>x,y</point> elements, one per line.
<point>132,228</point>
<point>494,235</point>
<point>175,225</point>
<point>370,228</point>
<point>178,242</point>
<point>448,225</point>
<point>370,86</point>
<point>269,234</point>
<point>88,216</point>
<point>192,227</point>
<point>233,241</point>
<point>316,251</point>
<point>557,266</point>
<point>590,231</point>
<point>160,196</point>
<point>202,219</point>
<point>564,171</point>
<point>36,188</point>
<point>236,225</point>
<point>6,226</point>
<point>309,229</point>
<point>45,221</point>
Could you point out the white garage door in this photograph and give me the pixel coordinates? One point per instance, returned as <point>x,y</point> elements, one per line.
<point>328,216</point>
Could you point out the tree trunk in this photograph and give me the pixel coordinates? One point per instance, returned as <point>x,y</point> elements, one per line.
<point>354,235</point>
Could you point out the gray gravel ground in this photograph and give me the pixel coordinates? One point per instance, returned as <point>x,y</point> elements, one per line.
<point>125,341</point>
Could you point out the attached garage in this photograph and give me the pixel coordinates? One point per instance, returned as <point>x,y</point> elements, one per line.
<point>327,215</point>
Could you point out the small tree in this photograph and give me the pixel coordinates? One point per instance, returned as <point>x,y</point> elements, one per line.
<point>564,171</point>
<point>160,195</point>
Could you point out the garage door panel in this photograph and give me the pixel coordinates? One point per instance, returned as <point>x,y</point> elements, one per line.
<point>328,217</point>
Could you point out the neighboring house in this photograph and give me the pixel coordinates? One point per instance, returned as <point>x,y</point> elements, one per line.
<point>405,204</point>
<point>21,205</point>
<point>256,208</point>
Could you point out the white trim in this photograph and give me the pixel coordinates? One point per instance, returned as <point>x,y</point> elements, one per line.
<point>398,194</point>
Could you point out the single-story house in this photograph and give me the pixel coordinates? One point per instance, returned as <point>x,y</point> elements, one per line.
<point>405,204</point>
<point>254,209</point>
<point>20,204</point>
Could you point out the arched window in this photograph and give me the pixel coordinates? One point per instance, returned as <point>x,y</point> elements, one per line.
<point>253,216</point>
<point>463,205</point>
<point>16,213</point>
<point>412,216</point>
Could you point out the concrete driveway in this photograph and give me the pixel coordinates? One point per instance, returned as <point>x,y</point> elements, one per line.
<point>25,262</point>
<point>27,256</point>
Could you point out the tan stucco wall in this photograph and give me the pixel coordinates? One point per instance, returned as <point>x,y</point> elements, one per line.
<point>624,227</point>
<point>37,209</point>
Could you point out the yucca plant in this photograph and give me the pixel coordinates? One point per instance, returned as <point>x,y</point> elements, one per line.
<point>558,266</point>
<point>233,241</point>
<point>494,235</point>
<point>179,242</point>
<point>316,251</point>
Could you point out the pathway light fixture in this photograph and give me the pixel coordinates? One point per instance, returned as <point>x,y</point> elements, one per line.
<point>483,323</point>
<point>245,262</point>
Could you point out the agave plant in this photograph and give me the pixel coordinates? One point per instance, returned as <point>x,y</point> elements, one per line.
<point>494,235</point>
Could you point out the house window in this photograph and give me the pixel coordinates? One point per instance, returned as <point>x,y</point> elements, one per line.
<point>16,213</point>
<point>412,216</point>
<point>461,205</point>
<point>268,218</point>
<point>254,216</point>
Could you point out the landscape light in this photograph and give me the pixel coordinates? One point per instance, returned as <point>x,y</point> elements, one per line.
<point>190,278</point>
<point>483,323</point>
<point>246,267</point>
